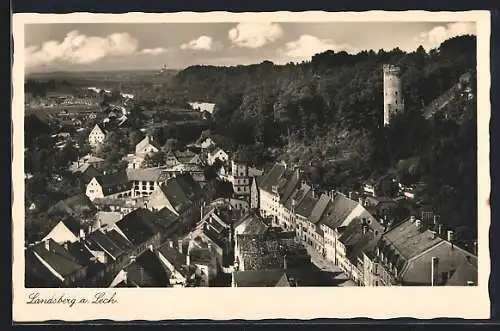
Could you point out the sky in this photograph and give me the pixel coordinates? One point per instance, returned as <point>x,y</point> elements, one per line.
<point>131,46</point>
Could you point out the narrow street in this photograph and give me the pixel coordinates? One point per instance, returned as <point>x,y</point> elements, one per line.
<point>339,278</point>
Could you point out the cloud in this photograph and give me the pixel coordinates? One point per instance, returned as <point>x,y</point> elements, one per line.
<point>78,48</point>
<point>255,35</point>
<point>202,43</point>
<point>306,46</point>
<point>153,51</point>
<point>434,37</point>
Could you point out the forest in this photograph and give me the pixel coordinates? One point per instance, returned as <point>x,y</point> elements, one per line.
<point>326,115</point>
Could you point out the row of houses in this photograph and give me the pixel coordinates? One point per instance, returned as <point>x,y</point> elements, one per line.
<point>347,234</point>
<point>119,242</point>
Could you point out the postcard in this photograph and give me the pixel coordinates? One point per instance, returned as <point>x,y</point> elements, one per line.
<point>291,165</point>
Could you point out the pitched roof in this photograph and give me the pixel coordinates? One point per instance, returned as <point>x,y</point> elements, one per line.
<point>119,240</point>
<point>88,171</point>
<point>144,174</point>
<point>181,191</point>
<point>147,271</point>
<point>76,205</point>
<point>261,278</point>
<point>201,256</point>
<point>466,272</point>
<point>408,240</point>
<point>80,252</point>
<point>289,187</point>
<point>113,183</point>
<point>175,257</point>
<point>271,178</point>
<point>100,239</point>
<point>306,206</point>
<point>100,128</point>
<point>251,224</point>
<point>138,226</point>
<point>57,257</point>
<point>319,208</point>
<point>107,218</point>
<point>166,217</point>
<point>148,140</point>
<point>337,211</point>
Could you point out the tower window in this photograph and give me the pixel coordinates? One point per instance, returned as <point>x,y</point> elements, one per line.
<point>396,102</point>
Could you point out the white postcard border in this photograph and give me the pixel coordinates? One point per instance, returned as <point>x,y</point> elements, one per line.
<point>250,303</point>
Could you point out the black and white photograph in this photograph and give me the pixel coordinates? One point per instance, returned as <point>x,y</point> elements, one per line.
<point>251,153</point>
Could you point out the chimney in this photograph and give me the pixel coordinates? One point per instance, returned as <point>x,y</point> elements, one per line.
<point>98,223</point>
<point>82,234</point>
<point>434,270</point>
<point>436,219</point>
<point>188,259</point>
<point>350,195</point>
<point>179,245</point>
<point>451,236</point>
<point>412,219</point>
<point>209,247</point>
<point>125,277</point>
<point>285,264</point>
<point>170,243</point>
<point>365,229</point>
<point>434,234</point>
<point>475,247</point>
<point>47,244</point>
<point>360,200</point>
<point>440,229</point>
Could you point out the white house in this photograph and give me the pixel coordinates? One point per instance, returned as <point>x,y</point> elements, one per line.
<point>146,146</point>
<point>97,136</point>
<point>218,153</point>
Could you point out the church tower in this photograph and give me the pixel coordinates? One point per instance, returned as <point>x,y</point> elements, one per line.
<point>393,92</point>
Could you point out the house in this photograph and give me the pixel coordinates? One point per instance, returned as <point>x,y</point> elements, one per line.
<point>145,270</point>
<point>260,278</point>
<point>147,146</point>
<point>269,191</point>
<point>114,185</point>
<point>133,161</point>
<point>66,231</point>
<point>414,254</point>
<point>97,136</point>
<point>217,154</point>
<point>88,159</point>
<point>347,227</point>
<point>181,195</point>
<point>352,241</point>
<point>144,181</point>
<point>48,264</point>
<point>379,206</point>
<point>240,179</point>
<point>177,263</point>
<point>106,219</point>
<point>140,228</point>
<point>78,206</point>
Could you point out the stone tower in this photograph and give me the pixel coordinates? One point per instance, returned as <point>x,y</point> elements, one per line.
<point>393,92</point>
